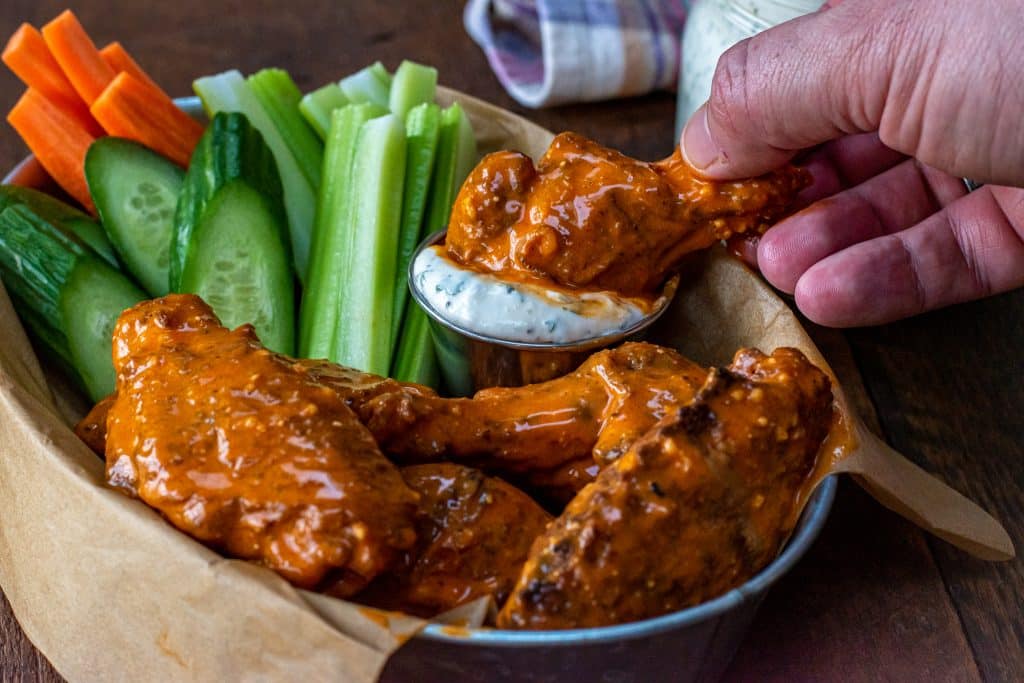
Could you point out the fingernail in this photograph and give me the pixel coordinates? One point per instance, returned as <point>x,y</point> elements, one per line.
<point>698,147</point>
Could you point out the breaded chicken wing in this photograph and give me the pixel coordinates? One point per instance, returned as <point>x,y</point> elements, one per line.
<point>714,486</point>
<point>249,453</point>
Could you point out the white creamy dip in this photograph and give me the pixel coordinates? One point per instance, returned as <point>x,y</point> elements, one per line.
<point>485,304</point>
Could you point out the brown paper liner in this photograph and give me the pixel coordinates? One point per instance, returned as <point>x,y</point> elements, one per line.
<point>107,589</point>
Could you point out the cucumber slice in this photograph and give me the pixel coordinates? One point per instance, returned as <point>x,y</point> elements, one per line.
<point>135,191</point>
<point>67,295</point>
<point>230,92</point>
<point>230,241</point>
<point>91,301</point>
<point>237,266</point>
<point>62,215</point>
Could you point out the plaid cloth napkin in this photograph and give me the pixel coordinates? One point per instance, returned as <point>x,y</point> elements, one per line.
<point>548,52</point>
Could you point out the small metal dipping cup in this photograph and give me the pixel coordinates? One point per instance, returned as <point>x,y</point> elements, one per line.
<point>471,361</point>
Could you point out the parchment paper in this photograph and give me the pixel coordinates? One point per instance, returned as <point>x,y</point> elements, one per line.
<point>108,590</point>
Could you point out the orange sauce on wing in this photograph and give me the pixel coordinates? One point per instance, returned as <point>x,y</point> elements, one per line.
<point>589,217</point>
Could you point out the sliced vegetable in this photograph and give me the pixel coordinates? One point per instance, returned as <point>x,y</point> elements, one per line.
<point>413,84</point>
<point>363,340</point>
<point>78,57</point>
<point>91,302</point>
<point>318,105</point>
<point>280,97</point>
<point>54,343</point>
<point>28,57</point>
<point>456,155</point>
<point>422,127</point>
<point>118,59</point>
<point>415,359</point>
<point>62,215</point>
<point>136,191</point>
<point>229,92</point>
<point>66,292</point>
<point>371,84</point>
<point>230,241</point>
<point>332,233</point>
<point>131,108</point>
<point>58,141</point>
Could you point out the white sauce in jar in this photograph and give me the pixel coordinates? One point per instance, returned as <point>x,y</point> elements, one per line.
<point>714,26</point>
<point>515,311</point>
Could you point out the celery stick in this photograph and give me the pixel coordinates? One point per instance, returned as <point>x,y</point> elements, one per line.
<point>456,155</point>
<point>332,236</point>
<point>363,339</point>
<point>229,92</point>
<point>415,360</point>
<point>318,105</point>
<point>371,84</point>
<point>280,97</point>
<point>413,84</point>
<point>422,126</point>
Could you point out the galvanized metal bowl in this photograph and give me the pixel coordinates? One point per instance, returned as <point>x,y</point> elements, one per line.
<point>694,644</point>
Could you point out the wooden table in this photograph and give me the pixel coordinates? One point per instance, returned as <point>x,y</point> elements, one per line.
<point>875,599</point>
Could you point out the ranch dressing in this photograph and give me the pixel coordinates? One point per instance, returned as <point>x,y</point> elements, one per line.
<point>516,311</point>
<point>714,26</point>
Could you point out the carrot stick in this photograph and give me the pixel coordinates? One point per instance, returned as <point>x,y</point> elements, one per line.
<point>131,108</point>
<point>28,57</point>
<point>118,59</point>
<point>77,55</point>
<point>57,140</point>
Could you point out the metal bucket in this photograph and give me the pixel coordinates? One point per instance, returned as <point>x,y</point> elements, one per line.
<point>694,644</point>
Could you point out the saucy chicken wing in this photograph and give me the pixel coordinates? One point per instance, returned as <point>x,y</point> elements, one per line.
<point>555,434</point>
<point>473,532</point>
<point>249,453</point>
<point>714,485</point>
<point>588,216</point>
<point>353,387</point>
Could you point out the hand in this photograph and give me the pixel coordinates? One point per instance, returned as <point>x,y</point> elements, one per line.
<point>907,97</point>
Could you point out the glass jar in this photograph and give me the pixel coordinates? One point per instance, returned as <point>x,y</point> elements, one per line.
<point>713,26</point>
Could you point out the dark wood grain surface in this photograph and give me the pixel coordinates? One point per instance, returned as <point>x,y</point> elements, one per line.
<point>874,599</point>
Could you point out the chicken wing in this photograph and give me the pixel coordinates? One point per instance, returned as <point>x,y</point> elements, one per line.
<point>715,484</point>
<point>588,216</point>
<point>552,433</point>
<point>249,453</point>
<point>474,532</point>
<point>354,387</point>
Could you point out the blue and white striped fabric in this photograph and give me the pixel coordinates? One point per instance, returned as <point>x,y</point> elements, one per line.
<point>548,52</point>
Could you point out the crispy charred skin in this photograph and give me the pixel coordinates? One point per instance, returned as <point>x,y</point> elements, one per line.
<point>590,217</point>
<point>553,433</point>
<point>473,531</point>
<point>248,453</point>
<point>715,484</point>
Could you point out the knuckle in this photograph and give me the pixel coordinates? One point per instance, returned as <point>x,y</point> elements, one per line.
<point>729,105</point>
